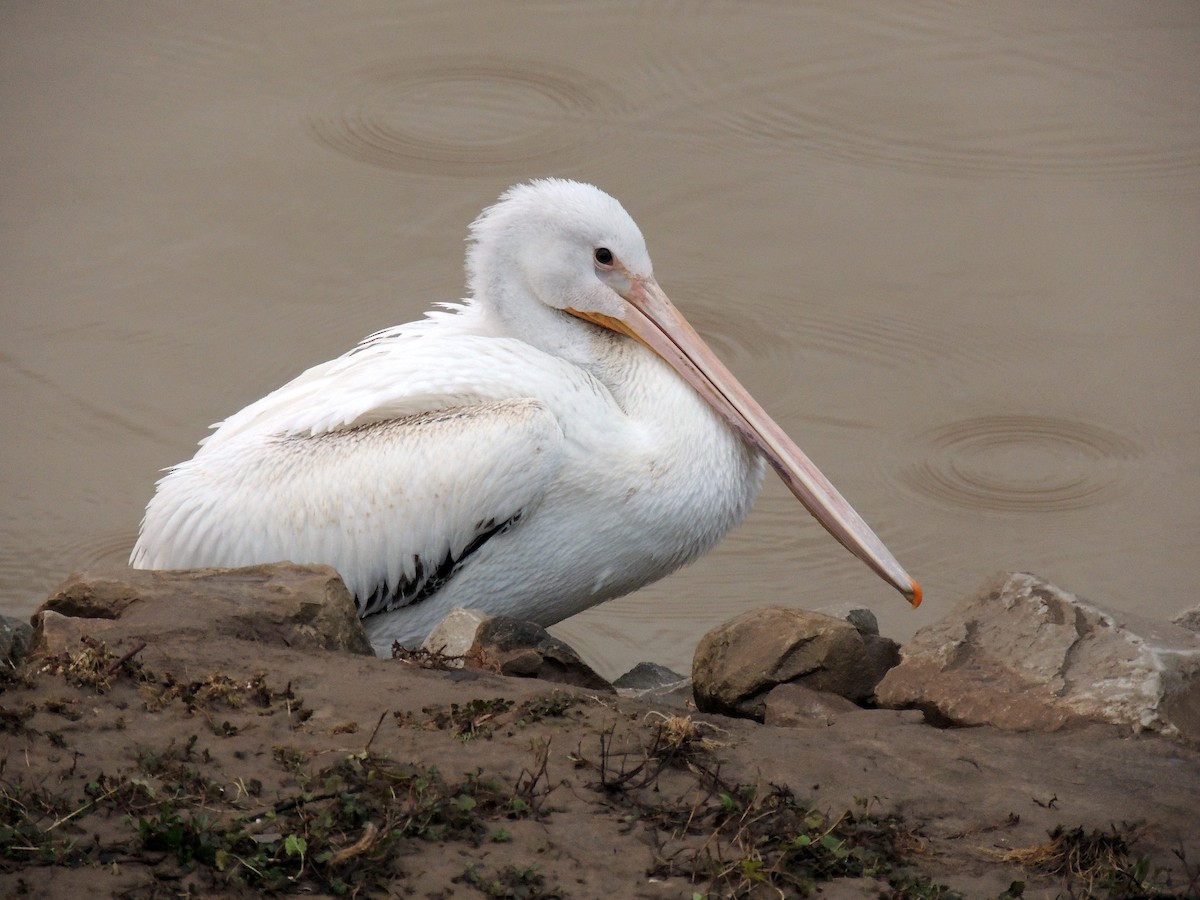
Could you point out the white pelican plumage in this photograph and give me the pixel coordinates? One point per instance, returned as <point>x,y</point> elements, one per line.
<point>561,438</point>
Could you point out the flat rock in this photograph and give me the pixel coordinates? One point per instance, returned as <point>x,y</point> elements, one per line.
<point>304,607</point>
<point>738,663</point>
<point>525,650</point>
<point>1022,654</point>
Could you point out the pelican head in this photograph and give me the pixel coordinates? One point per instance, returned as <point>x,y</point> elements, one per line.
<point>553,252</point>
<point>551,247</point>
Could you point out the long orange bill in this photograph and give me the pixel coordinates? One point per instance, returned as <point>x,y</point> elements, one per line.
<point>650,317</point>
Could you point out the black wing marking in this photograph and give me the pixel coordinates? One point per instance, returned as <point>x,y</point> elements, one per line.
<point>431,578</point>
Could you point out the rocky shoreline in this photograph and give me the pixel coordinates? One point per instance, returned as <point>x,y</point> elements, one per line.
<point>229,733</point>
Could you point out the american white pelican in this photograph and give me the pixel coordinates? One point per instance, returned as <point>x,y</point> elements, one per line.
<point>561,438</point>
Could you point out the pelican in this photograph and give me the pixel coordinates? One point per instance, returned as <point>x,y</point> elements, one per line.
<point>561,438</point>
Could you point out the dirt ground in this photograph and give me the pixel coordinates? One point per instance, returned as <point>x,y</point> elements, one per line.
<point>194,766</point>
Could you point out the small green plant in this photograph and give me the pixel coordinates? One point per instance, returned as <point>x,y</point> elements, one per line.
<point>549,706</point>
<point>467,721</point>
<point>509,883</point>
<point>338,831</point>
<point>188,837</point>
<point>743,842</point>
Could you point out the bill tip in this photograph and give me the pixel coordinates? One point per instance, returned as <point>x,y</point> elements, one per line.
<point>914,593</point>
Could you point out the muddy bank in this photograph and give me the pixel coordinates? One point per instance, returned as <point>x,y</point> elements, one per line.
<point>165,764</point>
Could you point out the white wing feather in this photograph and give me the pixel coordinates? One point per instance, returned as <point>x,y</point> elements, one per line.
<point>394,455</point>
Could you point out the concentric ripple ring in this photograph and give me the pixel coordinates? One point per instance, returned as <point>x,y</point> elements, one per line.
<point>460,117</point>
<point>1021,463</point>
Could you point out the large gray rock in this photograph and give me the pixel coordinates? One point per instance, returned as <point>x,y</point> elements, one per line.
<point>738,663</point>
<point>1022,654</point>
<point>305,607</point>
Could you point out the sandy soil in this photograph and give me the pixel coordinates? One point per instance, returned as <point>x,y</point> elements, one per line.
<point>226,767</point>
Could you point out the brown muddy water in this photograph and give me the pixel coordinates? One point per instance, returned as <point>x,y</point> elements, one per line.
<point>954,248</point>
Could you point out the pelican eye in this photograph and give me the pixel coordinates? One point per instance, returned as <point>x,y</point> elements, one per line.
<point>604,256</point>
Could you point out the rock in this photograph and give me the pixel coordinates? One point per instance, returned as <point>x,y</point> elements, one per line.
<point>1022,654</point>
<point>57,634</point>
<point>304,607</point>
<point>883,654</point>
<point>15,635</point>
<point>652,682</point>
<point>738,663</point>
<point>861,617</point>
<point>525,650</point>
<point>1189,619</point>
<point>510,647</point>
<point>648,676</point>
<point>791,705</point>
<point>454,635</point>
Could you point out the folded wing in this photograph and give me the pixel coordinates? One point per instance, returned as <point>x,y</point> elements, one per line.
<point>368,463</point>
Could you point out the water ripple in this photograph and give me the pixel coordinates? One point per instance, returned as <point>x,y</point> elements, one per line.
<point>773,327</point>
<point>34,560</point>
<point>95,550</point>
<point>1025,125</point>
<point>736,330</point>
<point>1021,463</point>
<point>462,117</point>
